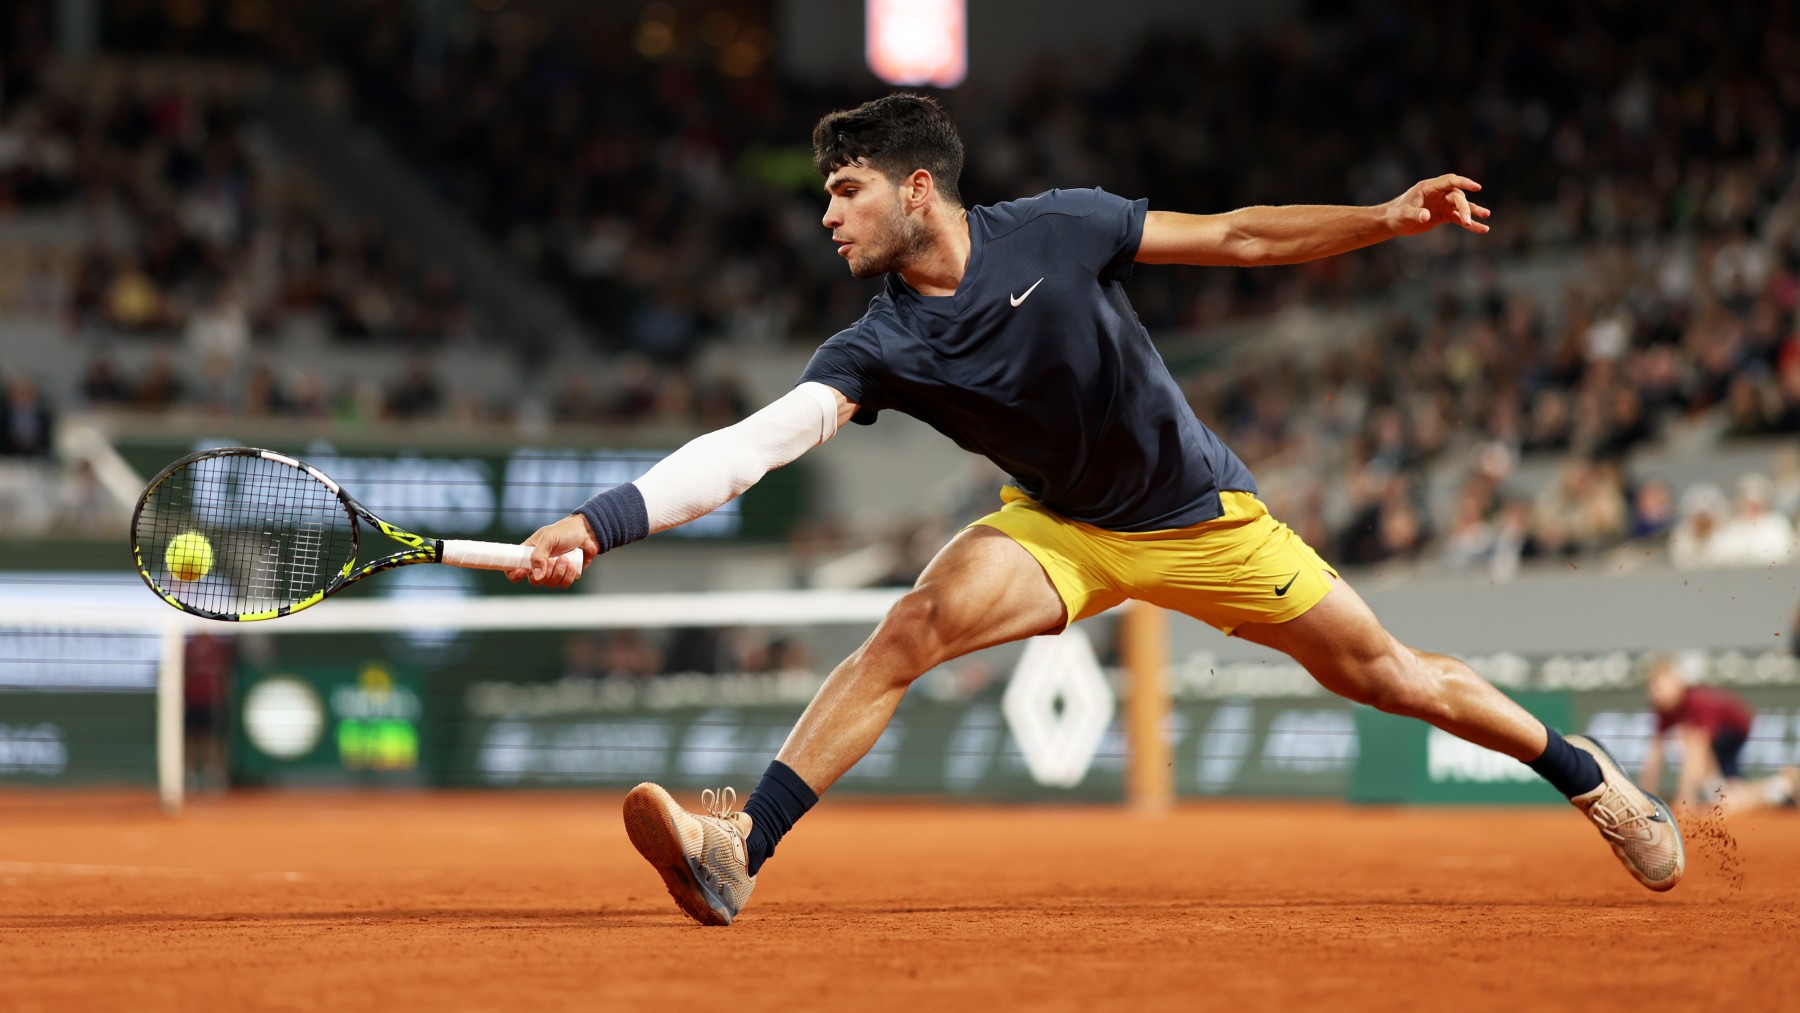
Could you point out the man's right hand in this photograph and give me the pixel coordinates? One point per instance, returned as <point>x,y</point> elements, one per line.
<point>548,543</point>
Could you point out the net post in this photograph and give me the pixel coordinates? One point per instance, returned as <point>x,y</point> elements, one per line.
<point>1144,648</point>
<point>171,677</point>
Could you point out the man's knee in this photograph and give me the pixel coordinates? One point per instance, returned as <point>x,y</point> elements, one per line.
<point>916,614</point>
<point>1400,682</point>
<point>909,640</point>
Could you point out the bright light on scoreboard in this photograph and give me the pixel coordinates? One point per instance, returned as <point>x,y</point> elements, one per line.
<point>912,42</point>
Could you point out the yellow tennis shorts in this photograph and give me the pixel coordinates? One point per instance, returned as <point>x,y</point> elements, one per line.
<point>1242,567</point>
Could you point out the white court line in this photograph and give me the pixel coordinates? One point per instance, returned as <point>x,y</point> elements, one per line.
<point>152,871</point>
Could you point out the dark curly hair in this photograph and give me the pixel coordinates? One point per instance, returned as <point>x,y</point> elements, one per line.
<point>896,135</point>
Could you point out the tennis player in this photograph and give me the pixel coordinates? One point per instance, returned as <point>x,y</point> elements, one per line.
<point>1007,329</point>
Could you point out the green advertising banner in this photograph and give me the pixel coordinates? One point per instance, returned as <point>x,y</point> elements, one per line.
<point>616,733</point>
<point>1407,760</point>
<point>332,710</point>
<point>930,748</point>
<point>329,724</point>
<point>77,738</point>
<point>1264,748</point>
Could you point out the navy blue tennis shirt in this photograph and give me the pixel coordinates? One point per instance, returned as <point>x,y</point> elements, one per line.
<point>1039,364</point>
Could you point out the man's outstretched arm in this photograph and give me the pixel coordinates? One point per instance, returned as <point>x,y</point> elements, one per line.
<point>705,474</point>
<point>1294,234</point>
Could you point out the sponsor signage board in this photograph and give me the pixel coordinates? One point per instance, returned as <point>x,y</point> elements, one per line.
<point>1203,674</point>
<point>1406,760</point>
<point>616,733</point>
<point>90,738</point>
<point>329,724</point>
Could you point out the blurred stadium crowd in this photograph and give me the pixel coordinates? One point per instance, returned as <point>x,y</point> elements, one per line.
<point>1640,285</point>
<point>185,228</point>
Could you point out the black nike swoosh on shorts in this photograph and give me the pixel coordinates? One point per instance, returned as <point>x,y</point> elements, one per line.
<point>1283,589</point>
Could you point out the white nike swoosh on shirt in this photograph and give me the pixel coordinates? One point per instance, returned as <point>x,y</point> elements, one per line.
<point>1017,299</point>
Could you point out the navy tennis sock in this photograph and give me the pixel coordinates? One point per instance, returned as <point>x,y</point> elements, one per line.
<point>1572,771</point>
<point>778,802</point>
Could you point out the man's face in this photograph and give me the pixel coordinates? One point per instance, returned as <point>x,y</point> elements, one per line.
<point>868,220</point>
<point>1665,689</point>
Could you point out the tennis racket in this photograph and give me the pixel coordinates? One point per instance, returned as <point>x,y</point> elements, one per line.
<point>242,534</point>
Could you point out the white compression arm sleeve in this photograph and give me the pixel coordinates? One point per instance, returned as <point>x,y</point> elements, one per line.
<point>711,470</point>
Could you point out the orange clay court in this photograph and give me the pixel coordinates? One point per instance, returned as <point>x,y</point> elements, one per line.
<point>537,901</point>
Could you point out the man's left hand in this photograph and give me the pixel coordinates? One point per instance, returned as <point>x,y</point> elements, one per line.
<point>1433,202</point>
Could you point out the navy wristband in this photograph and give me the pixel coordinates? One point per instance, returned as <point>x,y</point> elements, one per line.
<point>617,516</point>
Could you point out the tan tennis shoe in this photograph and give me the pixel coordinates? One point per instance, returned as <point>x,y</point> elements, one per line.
<point>1637,824</point>
<point>702,857</point>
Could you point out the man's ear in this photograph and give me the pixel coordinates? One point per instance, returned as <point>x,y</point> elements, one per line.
<point>920,188</point>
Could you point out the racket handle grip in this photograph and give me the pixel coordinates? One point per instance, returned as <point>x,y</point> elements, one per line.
<point>495,555</point>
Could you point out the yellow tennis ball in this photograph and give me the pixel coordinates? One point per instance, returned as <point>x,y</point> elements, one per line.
<point>189,555</point>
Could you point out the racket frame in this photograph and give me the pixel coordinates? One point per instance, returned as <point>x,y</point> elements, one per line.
<point>419,549</point>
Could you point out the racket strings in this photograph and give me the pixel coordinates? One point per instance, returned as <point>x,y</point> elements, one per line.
<point>275,534</point>
<point>309,540</point>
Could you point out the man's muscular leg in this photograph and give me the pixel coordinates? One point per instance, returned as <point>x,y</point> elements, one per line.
<point>1341,643</point>
<point>981,589</point>
<point>1344,647</point>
